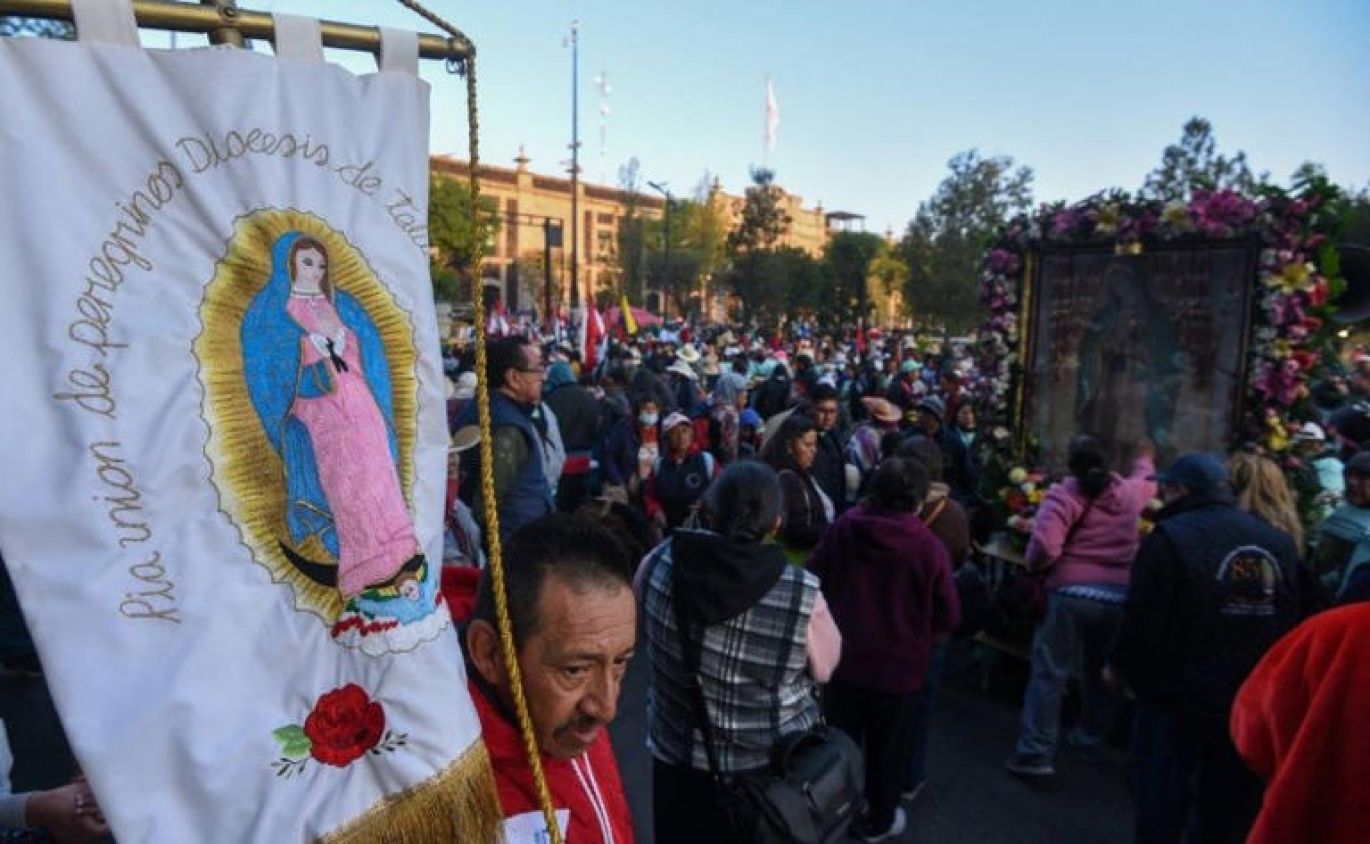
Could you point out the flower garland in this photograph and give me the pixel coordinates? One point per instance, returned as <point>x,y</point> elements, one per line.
<point>1297,284</point>
<point>1298,281</point>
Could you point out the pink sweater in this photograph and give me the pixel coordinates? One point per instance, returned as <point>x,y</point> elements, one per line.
<point>1102,547</point>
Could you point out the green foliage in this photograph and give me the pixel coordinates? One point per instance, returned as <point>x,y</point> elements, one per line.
<point>632,235</point>
<point>447,286</point>
<point>847,260</point>
<point>773,283</point>
<point>945,240</point>
<point>760,274</point>
<point>457,233</point>
<point>1194,163</point>
<point>698,233</point>
<point>764,220</point>
<point>888,275</point>
<point>293,741</point>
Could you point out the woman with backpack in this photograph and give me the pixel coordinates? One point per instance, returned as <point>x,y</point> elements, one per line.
<point>679,477</point>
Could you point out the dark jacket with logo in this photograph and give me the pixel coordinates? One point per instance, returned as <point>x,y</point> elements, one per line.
<point>1213,587</point>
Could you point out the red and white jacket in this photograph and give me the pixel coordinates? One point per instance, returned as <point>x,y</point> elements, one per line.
<point>587,792</point>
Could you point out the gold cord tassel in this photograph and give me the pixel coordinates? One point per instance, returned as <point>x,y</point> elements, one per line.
<point>495,558</point>
<point>458,804</point>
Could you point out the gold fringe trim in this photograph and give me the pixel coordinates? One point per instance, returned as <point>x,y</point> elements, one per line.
<point>459,803</point>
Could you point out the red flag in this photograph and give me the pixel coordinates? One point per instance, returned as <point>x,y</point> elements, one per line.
<point>591,336</point>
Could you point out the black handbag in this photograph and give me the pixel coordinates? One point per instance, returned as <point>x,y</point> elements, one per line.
<point>811,791</point>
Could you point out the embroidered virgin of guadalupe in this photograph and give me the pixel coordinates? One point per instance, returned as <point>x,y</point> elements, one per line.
<point>317,469</point>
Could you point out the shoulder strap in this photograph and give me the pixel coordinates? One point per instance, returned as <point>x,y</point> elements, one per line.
<point>691,646</point>
<point>803,486</point>
<point>1070,532</point>
<point>937,511</point>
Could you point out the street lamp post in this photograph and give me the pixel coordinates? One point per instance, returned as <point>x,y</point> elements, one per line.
<point>575,165</point>
<point>660,187</point>
<point>551,236</point>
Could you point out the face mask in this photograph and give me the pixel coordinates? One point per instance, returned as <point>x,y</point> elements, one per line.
<point>647,418</point>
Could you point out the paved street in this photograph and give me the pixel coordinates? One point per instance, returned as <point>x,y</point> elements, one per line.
<point>969,798</point>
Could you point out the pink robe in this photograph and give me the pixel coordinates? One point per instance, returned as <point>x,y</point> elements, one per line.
<point>352,451</point>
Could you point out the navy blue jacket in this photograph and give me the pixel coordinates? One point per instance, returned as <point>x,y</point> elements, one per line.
<point>1213,587</point>
<point>529,495</point>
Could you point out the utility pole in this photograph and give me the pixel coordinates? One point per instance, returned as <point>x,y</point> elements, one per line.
<point>575,165</point>
<point>547,274</point>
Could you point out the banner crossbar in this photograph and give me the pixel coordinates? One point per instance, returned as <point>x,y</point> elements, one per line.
<point>216,18</point>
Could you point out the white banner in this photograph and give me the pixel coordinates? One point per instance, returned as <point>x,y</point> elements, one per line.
<point>224,436</point>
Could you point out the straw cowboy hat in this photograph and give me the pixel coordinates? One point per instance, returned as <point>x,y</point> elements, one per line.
<point>882,409</point>
<point>680,367</point>
<point>465,437</point>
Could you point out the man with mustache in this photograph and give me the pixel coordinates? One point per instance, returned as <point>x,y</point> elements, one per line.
<point>574,619</point>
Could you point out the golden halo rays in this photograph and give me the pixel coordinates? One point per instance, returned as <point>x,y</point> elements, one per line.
<point>246,470</point>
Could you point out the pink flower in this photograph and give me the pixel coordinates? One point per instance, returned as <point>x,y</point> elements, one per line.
<point>1063,222</point>
<point>1004,261</point>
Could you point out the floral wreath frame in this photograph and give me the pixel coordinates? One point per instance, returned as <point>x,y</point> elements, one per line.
<point>1291,335</point>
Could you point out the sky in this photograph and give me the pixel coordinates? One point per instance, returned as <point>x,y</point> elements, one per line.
<point>876,95</point>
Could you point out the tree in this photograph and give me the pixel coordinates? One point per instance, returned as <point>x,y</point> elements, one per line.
<point>1194,163</point>
<point>458,235</point>
<point>847,259</point>
<point>704,227</point>
<point>698,249</point>
<point>945,240</point>
<point>888,277</point>
<point>773,283</point>
<point>632,234</point>
<point>751,250</point>
<point>764,220</point>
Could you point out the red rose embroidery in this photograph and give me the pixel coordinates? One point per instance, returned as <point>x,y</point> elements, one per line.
<point>344,725</point>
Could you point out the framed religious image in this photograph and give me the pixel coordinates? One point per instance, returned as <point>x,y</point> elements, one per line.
<point>1138,348</point>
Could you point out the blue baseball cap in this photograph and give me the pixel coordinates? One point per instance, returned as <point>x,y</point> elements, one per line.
<point>1196,472</point>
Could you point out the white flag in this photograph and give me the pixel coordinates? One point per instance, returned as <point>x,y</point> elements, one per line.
<point>224,441</point>
<point>772,117</point>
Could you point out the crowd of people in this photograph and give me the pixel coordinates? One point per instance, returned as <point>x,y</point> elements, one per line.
<point>791,528</point>
<point>800,519</point>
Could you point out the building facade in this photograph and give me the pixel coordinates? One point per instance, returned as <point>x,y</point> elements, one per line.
<point>527,202</point>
